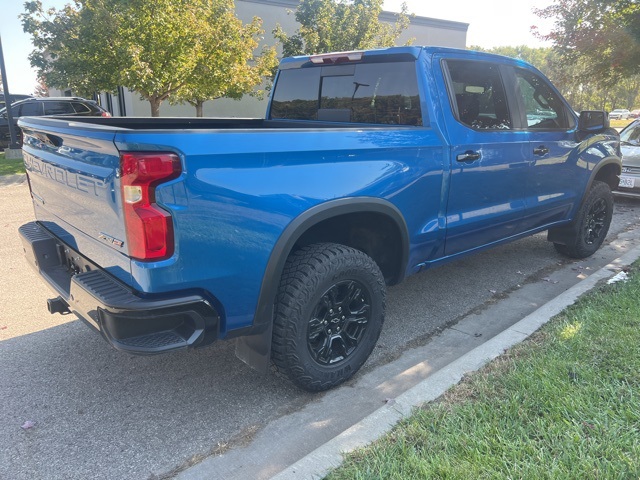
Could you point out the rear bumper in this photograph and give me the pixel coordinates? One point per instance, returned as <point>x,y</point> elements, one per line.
<point>131,321</point>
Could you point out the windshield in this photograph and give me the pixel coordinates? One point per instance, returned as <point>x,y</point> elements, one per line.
<point>631,134</point>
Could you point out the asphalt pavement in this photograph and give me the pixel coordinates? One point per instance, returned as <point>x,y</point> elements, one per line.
<point>93,412</point>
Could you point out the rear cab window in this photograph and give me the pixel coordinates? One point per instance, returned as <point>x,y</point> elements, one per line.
<point>370,93</point>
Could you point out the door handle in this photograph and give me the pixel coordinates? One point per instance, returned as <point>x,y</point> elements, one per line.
<point>468,156</point>
<point>540,151</point>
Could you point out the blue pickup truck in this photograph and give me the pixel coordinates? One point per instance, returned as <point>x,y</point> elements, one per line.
<point>282,233</point>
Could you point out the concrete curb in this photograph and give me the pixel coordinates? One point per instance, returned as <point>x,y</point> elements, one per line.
<point>318,463</point>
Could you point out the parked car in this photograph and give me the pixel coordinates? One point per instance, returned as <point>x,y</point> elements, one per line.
<point>14,98</point>
<point>620,114</point>
<point>629,185</point>
<point>635,113</point>
<point>38,107</point>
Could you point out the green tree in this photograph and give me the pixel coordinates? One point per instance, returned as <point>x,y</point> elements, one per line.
<point>152,47</point>
<point>340,25</point>
<point>226,65</point>
<point>604,33</point>
<point>538,57</point>
<point>72,46</point>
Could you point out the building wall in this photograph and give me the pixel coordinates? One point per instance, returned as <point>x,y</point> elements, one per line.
<point>422,31</point>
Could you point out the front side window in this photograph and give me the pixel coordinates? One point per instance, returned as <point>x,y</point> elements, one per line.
<point>377,93</point>
<point>544,108</point>
<point>477,95</point>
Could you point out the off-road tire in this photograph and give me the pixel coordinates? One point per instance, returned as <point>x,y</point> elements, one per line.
<point>329,314</point>
<point>591,224</point>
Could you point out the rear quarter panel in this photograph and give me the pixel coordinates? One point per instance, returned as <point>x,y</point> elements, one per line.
<point>230,207</point>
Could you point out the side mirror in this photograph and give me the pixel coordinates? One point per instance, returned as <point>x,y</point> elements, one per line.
<point>593,121</point>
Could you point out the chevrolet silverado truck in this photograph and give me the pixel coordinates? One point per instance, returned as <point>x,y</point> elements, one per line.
<point>282,233</point>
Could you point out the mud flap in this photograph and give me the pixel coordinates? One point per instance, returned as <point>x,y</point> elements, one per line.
<point>255,349</point>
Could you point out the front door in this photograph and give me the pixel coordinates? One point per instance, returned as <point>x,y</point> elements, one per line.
<point>557,178</point>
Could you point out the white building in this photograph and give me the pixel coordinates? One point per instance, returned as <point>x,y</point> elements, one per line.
<point>423,31</point>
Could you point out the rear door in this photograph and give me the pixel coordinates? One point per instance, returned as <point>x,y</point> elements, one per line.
<point>489,158</point>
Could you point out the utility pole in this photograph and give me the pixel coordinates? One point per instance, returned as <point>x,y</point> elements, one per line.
<point>13,145</point>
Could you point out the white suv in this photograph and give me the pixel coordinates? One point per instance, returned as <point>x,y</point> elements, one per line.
<point>620,114</point>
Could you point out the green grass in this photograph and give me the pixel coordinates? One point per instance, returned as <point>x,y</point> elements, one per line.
<point>620,123</point>
<point>563,405</point>
<point>10,167</point>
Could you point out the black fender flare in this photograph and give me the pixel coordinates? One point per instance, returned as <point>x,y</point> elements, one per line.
<point>603,163</point>
<point>254,346</point>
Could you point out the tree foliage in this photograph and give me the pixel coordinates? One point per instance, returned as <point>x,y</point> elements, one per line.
<point>152,47</point>
<point>225,62</point>
<point>603,34</point>
<point>340,25</point>
<point>582,89</point>
<point>41,90</point>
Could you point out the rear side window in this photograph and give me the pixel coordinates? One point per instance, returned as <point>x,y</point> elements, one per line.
<point>377,93</point>
<point>80,107</point>
<point>58,108</point>
<point>477,94</point>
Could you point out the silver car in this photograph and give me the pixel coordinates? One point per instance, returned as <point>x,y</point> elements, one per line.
<point>620,114</point>
<point>629,185</point>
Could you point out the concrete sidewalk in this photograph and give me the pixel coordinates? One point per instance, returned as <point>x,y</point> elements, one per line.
<point>282,450</point>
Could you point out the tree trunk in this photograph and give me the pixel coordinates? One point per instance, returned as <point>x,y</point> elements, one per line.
<point>199,108</point>
<point>155,103</point>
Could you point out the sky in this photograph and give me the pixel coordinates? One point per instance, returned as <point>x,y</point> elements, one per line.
<point>491,23</point>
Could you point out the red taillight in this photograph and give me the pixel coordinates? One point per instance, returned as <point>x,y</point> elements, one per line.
<point>105,114</point>
<point>149,228</point>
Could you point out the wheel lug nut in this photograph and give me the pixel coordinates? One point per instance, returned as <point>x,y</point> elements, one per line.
<point>343,317</point>
<point>329,332</point>
<point>331,310</point>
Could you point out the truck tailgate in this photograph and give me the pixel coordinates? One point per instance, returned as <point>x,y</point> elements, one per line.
<point>74,179</point>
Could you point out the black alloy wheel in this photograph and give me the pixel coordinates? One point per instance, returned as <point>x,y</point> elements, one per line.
<point>338,322</point>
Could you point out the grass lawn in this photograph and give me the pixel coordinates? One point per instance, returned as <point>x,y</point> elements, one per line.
<point>563,405</point>
<point>620,123</point>
<point>10,167</point>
